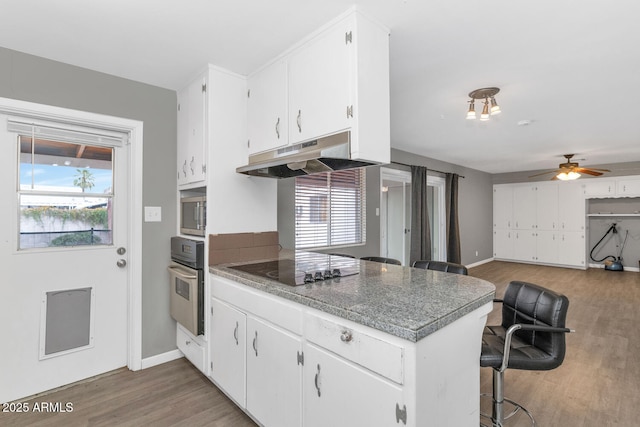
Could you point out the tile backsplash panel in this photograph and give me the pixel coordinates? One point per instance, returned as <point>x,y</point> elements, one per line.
<point>242,247</point>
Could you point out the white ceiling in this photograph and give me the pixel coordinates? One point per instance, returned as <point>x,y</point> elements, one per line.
<point>571,68</point>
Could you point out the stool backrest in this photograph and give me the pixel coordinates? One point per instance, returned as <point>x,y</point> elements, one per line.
<point>381,259</point>
<point>532,304</point>
<point>447,267</point>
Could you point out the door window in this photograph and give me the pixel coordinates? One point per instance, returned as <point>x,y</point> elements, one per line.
<point>65,192</point>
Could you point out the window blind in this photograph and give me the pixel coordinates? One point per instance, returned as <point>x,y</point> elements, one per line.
<point>67,133</point>
<point>330,209</point>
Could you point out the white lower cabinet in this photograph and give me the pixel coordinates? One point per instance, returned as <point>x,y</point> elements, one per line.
<point>228,349</point>
<point>191,347</point>
<point>571,248</point>
<point>524,245</point>
<point>340,393</point>
<point>547,246</point>
<point>273,374</point>
<point>286,364</point>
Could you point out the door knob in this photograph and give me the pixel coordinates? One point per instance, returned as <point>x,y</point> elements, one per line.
<point>121,263</point>
<point>121,251</point>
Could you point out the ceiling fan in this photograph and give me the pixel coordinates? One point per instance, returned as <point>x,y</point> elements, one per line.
<point>571,170</point>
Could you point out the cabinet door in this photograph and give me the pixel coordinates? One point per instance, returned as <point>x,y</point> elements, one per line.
<point>628,187</point>
<point>599,188</point>
<point>274,395</point>
<point>524,207</point>
<point>524,245</point>
<point>227,347</point>
<point>183,135</point>
<point>338,393</point>
<point>572,207</point>
<point>547,246</point>
<point>547,206</point>
<point>320,81</point>
<point>197,133</point>
<point>267,108</point>
<point>571,248</point>
<point>503,244</point>
<point>502,206</point>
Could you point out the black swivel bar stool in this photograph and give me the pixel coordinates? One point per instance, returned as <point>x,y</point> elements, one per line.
<point>531,337</point>
<point>447,267</point>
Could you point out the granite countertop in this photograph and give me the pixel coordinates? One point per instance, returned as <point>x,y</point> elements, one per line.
<point>406,302</point>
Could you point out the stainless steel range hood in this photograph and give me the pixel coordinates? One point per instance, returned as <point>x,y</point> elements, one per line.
<point>322,155</point>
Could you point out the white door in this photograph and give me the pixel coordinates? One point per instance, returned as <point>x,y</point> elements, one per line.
<point>395,214</point>
<point>64,251</point>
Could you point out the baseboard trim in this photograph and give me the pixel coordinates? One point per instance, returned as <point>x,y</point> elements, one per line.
<point>475,264</point>
<point>159,359</point>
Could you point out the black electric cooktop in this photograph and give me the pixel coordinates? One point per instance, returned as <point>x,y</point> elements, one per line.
<point>306,269</point>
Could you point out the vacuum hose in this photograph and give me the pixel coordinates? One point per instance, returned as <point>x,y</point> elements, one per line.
<point>614,231</point>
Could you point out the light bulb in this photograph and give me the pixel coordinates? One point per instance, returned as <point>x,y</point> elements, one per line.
<point>471,114</point>
<point>485,111</point>
<point>495,108</point>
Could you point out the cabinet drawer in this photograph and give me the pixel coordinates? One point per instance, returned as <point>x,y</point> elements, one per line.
<point>191,349</point>
<point>278,311</point>
<point>357,345</point>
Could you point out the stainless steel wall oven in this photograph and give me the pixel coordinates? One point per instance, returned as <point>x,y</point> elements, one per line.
<point>186,273</point>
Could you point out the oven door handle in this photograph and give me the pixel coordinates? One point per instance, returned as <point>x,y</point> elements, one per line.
<point>180,272</point>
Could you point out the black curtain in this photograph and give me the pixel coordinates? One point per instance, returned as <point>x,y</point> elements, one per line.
<point>453,231</point>
<point>420,232</point>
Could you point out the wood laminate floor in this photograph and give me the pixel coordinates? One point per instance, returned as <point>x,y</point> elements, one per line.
<point>597,385</point>
<point>599,382</point>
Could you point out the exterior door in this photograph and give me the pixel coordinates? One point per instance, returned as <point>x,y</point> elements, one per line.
<point>64,252</point>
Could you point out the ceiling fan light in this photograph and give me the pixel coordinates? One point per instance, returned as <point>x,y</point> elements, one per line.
<point>471,114</point>
<point>568,176</point>
<point>485,111</point>
<point>495,108</point>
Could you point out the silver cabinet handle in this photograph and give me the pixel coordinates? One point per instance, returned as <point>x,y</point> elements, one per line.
<point>346,336</point>
<point>316,380</point>
<point>299,121</point>
<point>193,160</point>
<point>255,343</point>
<point>184,169</point>
<point>235,333</point>
<point>278,128</point>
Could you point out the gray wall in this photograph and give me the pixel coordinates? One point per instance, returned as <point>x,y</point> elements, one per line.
<point>475,216</point>
<point>475,201</point>
<point>34,79</point>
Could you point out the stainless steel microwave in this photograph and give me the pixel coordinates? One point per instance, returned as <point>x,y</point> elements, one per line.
<point>193,215</point>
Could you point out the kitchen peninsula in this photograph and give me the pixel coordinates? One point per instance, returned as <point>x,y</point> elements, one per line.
<point>389,345</point>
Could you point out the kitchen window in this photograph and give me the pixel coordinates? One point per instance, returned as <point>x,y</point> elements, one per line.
<point>64,187</point>
<point>330,209</point>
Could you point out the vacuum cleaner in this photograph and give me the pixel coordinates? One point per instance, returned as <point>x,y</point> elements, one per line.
<point>611,262</point>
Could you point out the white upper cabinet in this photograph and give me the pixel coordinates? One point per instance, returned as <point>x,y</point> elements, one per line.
<point>628,187</point>
<point>192,135</point>
<point>320,84</point>
<point>524,207</point>
<point>547,206</point>
<point>599,187</point>
<point>572,207</point>
<point>502,206</point>
<point>335,80</point>
<point>267,108</point>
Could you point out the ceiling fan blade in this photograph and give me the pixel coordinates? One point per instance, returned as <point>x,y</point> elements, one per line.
<point>596,169</point>
<point>588,171</point>
<point>544,173</point>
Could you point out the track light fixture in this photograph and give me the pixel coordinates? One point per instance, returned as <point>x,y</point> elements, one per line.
<point>488,95</point>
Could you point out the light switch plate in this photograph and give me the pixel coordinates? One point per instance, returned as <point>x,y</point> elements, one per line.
<point>152,214</point>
